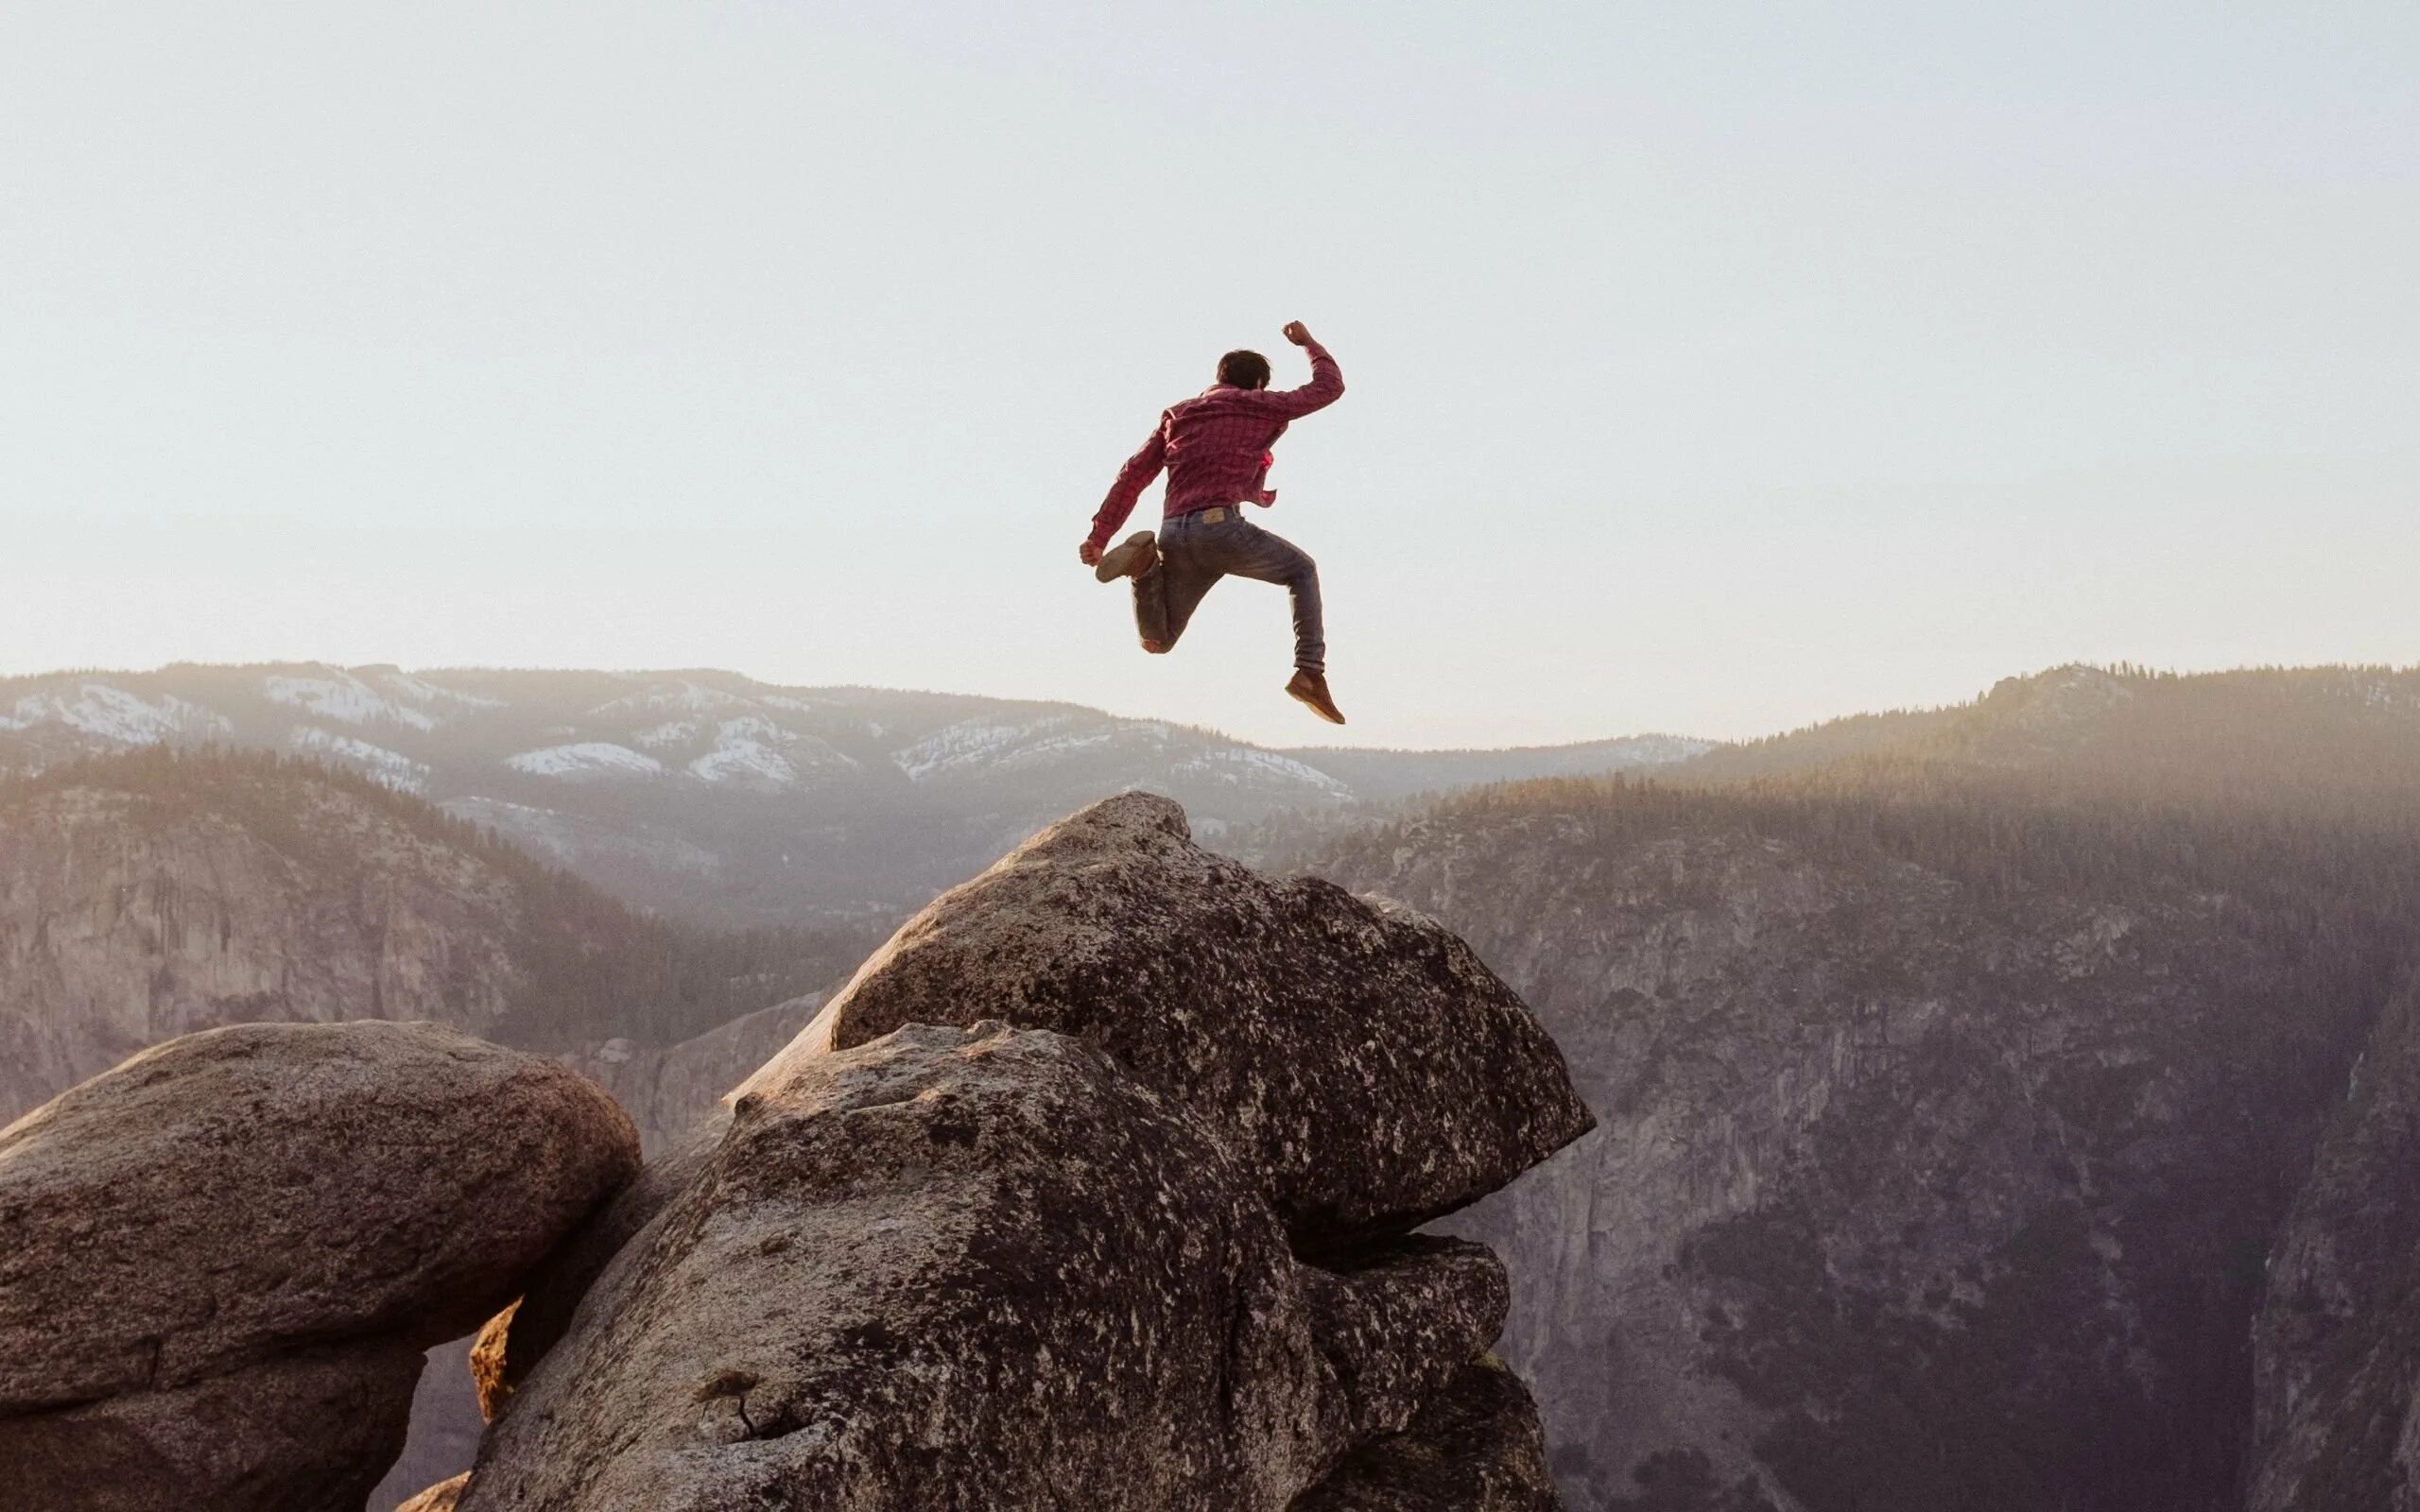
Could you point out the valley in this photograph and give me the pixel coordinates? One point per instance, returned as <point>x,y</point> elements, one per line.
<point>2003,1106</point>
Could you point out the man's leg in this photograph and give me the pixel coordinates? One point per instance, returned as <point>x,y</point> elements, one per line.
<point>1268,557</point>
<point>1166,597</point>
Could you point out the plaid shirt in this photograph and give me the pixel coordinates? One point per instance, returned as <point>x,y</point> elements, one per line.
<point>1216,447</point>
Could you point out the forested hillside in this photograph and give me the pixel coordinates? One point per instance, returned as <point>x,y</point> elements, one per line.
<point>1957,1095</point>
<point>162,891</point>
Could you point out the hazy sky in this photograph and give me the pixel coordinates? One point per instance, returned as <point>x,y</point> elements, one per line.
<point>1711,366</point>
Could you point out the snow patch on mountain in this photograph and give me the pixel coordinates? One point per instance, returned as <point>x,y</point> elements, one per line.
<point>1034,753</point>
<point>670,697</point>
<point>115,714</point>
<point>968,743</point>
<point>342,696</point>
<point>754,750</point>
<point>585,759</point>
<point>393,769</point>
<point>673,733</point>
<point>1241,765</point>
<point>419,690</point>
<point>744,761</point>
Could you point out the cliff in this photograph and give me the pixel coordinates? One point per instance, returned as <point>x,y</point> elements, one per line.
<point>160,893</point>
<point>1945,1128</point>
<point>1094,1187</point>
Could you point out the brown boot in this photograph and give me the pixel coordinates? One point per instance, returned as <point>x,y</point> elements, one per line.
<point>1132,557</point>
<point>1310,687</point>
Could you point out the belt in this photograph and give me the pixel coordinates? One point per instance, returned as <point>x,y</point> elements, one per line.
<point>1215,514</point>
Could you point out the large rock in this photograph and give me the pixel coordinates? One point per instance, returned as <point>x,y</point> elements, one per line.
<point>665,1090</point>
<point>1476,1447</point>
<point>225,1208</point>
<point>1357,1057</point>
<point>309,1432</point>
<point>973,1268</point>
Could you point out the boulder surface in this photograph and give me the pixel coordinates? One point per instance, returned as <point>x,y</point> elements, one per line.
<point>1359,1057</point>
<point>1476,1447</point>
<point>975,1268</point>
<point>307,1432</point>
<point>227,1254</point>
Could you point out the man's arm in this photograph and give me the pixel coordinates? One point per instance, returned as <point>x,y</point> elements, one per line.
<point>1325,387</point>
<point>1132,479</point>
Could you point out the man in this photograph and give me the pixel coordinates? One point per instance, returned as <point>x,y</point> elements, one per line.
<point>1216,449</point>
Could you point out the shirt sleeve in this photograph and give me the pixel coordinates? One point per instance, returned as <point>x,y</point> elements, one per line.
<point>1132,479</point>
<point>1325,387</point>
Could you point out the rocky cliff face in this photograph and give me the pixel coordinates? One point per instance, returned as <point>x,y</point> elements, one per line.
<point>121,927</point>
<point>157,895</point>
<point>2338,1344</point>
<point>942,1265</point>
<point>1239,1018</point>
<point>1936,1163</point>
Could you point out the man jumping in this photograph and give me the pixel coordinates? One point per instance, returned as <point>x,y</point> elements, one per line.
<point>1216,449</point>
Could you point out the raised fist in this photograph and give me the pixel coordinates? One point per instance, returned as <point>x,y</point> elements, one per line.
<point>1298,332</point>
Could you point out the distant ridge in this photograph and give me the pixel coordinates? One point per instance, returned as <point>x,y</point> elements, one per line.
<point>707,794</point>
<point>161,891</point>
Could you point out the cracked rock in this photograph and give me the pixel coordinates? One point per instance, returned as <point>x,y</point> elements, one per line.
<point>1357,1057</point>
<point>977,1268</point>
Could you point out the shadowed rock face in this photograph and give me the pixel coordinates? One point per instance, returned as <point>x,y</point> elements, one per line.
<point>1359,1059</point>
<point>975,1268</point>
<point>223,1258</point>
<point>302,1432</point>
<point>225,1192</point>
<point>1476,1447</point>
<point>665,1091</point>
<point>2337,1342</point>
<point>512,1342</point>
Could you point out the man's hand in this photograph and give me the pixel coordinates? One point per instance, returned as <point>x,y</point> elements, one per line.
<point>1298,332</point>
<point>1089,554</point>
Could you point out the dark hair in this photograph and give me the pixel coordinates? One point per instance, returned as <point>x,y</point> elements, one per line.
<point>1245,370</point>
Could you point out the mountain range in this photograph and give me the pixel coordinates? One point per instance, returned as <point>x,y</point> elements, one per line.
<point>2004,1106</point>
<point>711,798</point>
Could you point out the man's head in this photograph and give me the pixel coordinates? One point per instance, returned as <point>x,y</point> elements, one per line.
<point>1244,370</point>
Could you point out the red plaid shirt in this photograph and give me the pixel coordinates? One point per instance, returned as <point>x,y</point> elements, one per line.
<point>1216,447</point>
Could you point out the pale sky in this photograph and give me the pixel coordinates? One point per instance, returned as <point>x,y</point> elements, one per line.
<point>1711,368</point>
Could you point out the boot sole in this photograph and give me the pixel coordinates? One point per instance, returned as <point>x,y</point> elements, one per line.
<point>1119,561</point>
<point>1331,715</point>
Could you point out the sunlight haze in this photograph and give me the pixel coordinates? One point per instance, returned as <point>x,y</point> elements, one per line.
<point>1710,368</point>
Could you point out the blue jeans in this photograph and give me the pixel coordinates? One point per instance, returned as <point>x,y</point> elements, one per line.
<point>1194,556</point>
